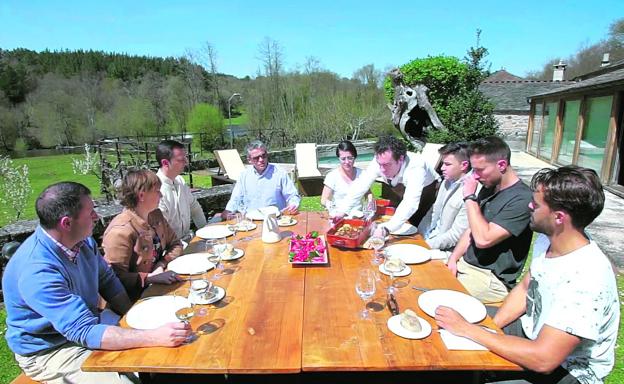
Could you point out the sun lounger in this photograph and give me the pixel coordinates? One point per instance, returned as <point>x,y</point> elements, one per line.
<point>230,167</point>
<point>309,178</point>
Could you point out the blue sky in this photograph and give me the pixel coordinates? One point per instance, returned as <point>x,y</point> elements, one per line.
<point>343,35</point>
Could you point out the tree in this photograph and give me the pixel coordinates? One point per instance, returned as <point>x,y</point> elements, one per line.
<point>14,188</point>
<point>207,119</point>
<point>453,93</point>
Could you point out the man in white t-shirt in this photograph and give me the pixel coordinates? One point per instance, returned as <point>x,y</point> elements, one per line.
<point>561,321</point>
<point>177,204</point>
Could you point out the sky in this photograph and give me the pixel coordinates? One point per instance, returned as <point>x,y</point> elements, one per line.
<point>343,35</point>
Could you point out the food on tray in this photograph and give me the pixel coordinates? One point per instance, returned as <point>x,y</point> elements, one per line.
<point>308,249</point>
<point>409,321</point>
<point>348,230</point>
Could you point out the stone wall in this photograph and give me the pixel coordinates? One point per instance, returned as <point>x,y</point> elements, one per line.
<point>212,200</point>
<point>513,127</point>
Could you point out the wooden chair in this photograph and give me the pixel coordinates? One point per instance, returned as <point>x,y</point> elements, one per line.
<point>309,178</point>
<point>230,167</point>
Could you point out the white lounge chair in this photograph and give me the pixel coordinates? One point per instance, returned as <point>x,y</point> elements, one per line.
<point>230,166</point>
<point>309,178</point>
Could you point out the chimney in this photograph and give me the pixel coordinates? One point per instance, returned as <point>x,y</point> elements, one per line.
<point>605,60</point>
<point>559,71</point>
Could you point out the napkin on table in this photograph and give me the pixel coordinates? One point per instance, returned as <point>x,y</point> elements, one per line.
<point>458,343</point>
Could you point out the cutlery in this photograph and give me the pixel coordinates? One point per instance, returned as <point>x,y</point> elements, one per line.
<point>421,289</point>
<point>392,304</point>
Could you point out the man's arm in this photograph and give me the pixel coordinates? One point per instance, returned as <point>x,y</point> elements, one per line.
<point>290,193</point>
<point>168,335</point>
<point>411,198</point>
<point>460,250</point>
<point>514,305</point>
<point>543,354</point>
<point>485,234</point>
<point>237,194</point>
<point>450,238</point>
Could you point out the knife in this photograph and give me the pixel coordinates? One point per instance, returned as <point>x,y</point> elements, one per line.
<point>392,304</point>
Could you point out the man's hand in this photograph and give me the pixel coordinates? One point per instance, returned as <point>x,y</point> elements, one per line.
<point>171,334</point>
<point>159,277</point>
<point>452,321</point>
<point>292,209</point>
<point>470,184</point>
<point>452,266</point>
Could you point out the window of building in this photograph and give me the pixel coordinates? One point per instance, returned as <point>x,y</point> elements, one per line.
<point>537,127</point>
<point>594,138</point>
<point>570,125</point>
<point>548,130</point>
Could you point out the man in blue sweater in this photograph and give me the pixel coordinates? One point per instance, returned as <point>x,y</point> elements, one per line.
<point>51,287</point>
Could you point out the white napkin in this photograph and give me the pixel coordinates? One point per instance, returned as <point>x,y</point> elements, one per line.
<point>437,254</point>
<point>458,343</point>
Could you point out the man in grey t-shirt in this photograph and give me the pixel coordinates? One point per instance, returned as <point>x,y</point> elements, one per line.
<point>490,255</point>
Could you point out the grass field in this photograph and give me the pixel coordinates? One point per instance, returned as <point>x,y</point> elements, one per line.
<point>47,170</point>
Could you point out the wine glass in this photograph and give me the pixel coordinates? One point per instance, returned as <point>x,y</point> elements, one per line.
<point>215,249</point>
<point>393,265</point>
<point>377,243</point>
<point>184,314</point>
<point>365,288</point>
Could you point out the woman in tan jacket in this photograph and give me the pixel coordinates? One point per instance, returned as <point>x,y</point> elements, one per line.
<point>138,243</point>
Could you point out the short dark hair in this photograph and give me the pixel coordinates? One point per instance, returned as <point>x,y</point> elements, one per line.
<point>164,150</point>
<point>60,200</point>
<point>346,146</point>
<point>460,150</point>
<point>492,147</point>
<point>390,143</point>
<point>135,182</point>
<point>573,189</point>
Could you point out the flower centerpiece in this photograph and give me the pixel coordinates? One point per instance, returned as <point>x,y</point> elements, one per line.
<point>308,249</point>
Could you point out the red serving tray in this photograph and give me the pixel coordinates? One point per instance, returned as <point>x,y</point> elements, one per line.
<point>349,242</point>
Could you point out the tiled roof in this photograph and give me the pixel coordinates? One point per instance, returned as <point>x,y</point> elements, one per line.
<point>613,78</point>
<point>512,95</point>
<point>502,75</point>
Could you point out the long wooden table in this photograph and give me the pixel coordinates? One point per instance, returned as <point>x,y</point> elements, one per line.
<point>278,318</point>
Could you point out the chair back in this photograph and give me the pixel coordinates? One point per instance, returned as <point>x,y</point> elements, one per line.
<point>230,162</point>
<point>306,161</point>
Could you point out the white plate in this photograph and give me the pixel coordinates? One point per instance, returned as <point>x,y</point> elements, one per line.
<point>404,272</point>
<point>409,253</point>
<point>260,213</point>
<point>405,230</point>
<point>214,232</point>
<point>191,264</point>
<point>394,325</point>
<point>470,308</point>
<point>288,224</point>
<point>197,299</point>
<point>248,227</point>
<point>238,253</point>
<point>156,311</point>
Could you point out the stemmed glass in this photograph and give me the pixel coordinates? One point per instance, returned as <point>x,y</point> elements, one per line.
<point>377,243</point>
<point>331,208</point>
<point>393,265</point>
<point>215,249</point>
<point>184,314</point>
<point>365,288</point>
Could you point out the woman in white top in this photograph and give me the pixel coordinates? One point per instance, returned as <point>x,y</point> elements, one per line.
<point>337,181</point>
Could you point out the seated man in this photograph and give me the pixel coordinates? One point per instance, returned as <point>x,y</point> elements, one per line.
<point>448,219</point>
<point>262,185</point>
<point>177,204</point>
<point>491,253</point>
<point>561,321</point>
<point>51,287</point>
<point>407,173</point>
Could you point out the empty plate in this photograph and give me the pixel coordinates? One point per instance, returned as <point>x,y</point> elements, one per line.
<point>214,232</point>
<point>260,213</point>
<point>405,230</point>
<point>156,311</point>
<point>191,264</point>
<point>470,308</point>
<point>409,253</point>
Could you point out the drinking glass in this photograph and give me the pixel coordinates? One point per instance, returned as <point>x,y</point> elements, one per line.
<point>215,249</point>
<point>377,243</point>
<point>393,268</point>
<point>365,288</point>
<point>184,314</point>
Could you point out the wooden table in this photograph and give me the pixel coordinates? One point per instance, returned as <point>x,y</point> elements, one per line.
<point>278,318</point>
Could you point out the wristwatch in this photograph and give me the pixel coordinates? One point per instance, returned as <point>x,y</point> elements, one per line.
<point>472,197</point>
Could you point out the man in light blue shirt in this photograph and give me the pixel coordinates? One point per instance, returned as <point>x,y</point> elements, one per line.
<point>262,185</point>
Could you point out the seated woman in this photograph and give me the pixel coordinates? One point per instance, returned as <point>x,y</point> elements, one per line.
<point>338,180</point>
<point>138,243</point>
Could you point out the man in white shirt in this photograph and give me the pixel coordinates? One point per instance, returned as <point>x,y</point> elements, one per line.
<point>448,219</point>
<point>406,173</point>
<point>177,204</point>
<point>561,321</point>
